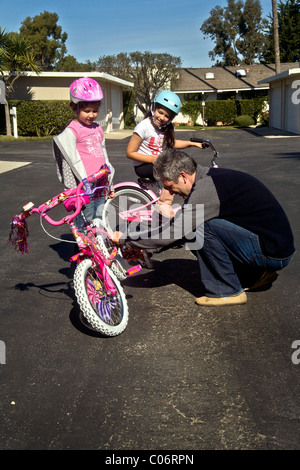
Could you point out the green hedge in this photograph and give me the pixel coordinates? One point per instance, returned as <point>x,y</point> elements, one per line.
<point>41,118</point>
<point>220,111</point>
<point>251,107</point>
<point>192,109</point>
<point>224,111</point>
<point>128,106</point>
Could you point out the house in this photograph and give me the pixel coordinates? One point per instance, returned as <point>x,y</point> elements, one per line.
<point>55,86</point>
<point>285,100</point>
<point>219,83</point>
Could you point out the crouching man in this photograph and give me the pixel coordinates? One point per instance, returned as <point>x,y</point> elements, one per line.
<point>245,235</point>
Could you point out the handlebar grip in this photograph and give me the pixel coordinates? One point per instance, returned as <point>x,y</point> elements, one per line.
<point>200,141</point>
<point>196,139</point>
<point>206,142</point>
<point>102,172</point>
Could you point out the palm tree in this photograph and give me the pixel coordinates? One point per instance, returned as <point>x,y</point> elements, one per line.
<point>3,47</point>
<point>276,36</point>
<point>15,59</point>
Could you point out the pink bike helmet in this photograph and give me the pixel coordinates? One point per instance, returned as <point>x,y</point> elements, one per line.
<point>85,89</point>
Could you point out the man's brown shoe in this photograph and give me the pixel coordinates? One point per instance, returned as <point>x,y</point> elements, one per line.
<point>221,301</point>
<point>267,278</point>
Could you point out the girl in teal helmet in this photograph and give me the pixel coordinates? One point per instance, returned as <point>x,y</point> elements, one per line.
<point>169,100</point>
<point>155,134</point>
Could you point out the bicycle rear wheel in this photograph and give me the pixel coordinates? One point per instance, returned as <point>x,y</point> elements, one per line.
<point>106,313</point>
<point>126,198</point>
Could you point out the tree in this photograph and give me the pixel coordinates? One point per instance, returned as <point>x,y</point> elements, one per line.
<point>251,44</point>
<point>223,27</point>
<point>237,31</point>
<point>3,48</point>
<point>46,38</point>
<point>288,30</point>
<point>15,59</point>
<point>276,36</point>
<point>148,71</point>
<point>69,64</point>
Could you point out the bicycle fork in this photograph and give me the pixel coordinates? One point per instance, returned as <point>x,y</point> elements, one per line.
<point>88,248</point>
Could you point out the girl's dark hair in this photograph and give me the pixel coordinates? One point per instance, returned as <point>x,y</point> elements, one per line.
<point>81,104</point>
<point>169,137</point>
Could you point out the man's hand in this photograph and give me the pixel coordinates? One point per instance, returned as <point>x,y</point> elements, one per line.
<point>115,237</point>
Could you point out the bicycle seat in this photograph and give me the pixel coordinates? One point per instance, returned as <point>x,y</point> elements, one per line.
<point>147,181</point>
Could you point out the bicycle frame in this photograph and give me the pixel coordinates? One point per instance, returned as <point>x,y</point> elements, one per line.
<point>73,199</point>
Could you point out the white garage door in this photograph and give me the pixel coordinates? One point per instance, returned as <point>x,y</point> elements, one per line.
<point>292,111</point>
<point>275,107</point>
<point>116,108</point>
<point>102,115</point>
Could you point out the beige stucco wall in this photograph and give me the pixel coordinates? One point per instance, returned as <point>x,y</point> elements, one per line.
<point>41,88</point>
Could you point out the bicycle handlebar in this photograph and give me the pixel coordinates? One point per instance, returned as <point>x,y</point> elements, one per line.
<point>80,198</point>
<point>210,145</point>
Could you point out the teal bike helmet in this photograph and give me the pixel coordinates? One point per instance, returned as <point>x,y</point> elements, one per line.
<point>169,100</point>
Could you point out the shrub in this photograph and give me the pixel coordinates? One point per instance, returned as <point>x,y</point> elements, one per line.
<point>251,107</point>
<point>244,121</point>
<point>42,118</point>
<point>214,111</point>
<point>128,109</point>
<point>264,118</point>
<point>220,110</point>
<point>192,109</point>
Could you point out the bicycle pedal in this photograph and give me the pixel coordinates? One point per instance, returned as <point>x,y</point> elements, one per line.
<point>75,257</point>
<point>113,254</point>
<point>134,270</point>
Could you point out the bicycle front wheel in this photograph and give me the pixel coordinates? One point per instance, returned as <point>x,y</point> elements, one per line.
<point>126,198</point>
<point>106,313</point>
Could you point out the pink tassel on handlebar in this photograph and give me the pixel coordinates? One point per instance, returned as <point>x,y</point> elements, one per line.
<point>19,234</point>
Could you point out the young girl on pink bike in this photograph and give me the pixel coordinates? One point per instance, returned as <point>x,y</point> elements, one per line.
<point>155,134</point>
<point>80,149</point>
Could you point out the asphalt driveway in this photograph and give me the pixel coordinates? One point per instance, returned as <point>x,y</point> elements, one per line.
<point>180,377</point>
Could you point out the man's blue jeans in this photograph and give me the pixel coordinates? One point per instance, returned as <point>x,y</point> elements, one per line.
<point>225,247</point>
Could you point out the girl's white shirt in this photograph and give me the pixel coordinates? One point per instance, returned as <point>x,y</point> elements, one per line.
<point>152,139</point>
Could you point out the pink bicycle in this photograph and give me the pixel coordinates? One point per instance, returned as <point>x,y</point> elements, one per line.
<point>100,266</point>
<point>130,210</point>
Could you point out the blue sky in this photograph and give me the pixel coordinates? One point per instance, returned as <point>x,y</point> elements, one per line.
<point>108,27</point>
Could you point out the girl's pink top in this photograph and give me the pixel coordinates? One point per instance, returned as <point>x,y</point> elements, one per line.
<point>89,145</point>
